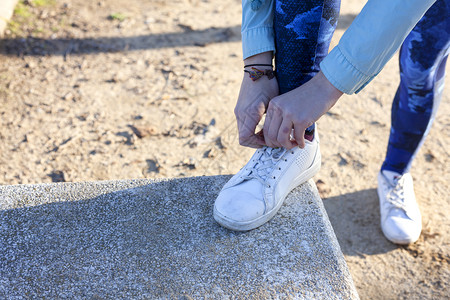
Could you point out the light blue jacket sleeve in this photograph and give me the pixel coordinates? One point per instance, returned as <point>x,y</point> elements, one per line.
<point>370,41</point>
<point>257,28</point>
<point>366,46</point>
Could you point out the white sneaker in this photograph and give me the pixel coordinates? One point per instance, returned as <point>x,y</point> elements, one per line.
<point>401,221</point>
<point>255,194</point>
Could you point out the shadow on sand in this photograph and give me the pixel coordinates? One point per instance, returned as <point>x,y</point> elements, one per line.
<point>355,218</point>
<point>32,46</point>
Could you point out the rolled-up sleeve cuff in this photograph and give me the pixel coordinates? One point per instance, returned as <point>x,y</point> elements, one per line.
<point>257,40</point>
<point>342,73</point>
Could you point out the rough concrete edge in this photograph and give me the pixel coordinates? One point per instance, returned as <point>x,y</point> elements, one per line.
<point>96,188</point>
<point>333,239</point>
<point>6,12</point>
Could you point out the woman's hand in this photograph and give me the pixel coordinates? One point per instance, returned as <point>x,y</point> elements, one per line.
<point>298,109</point>
<point>253,100</point>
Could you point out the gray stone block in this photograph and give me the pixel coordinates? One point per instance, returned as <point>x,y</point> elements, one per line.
<point>6,12</point>
<point>156,239</point>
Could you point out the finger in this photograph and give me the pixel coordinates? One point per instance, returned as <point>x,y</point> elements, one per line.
<point>284,134</point>
<point>261,140</point>
<point>255,143</point>
<point>247,136</point>
<point>299,133</point>
<point>267,121</point>
<point>272,127</point>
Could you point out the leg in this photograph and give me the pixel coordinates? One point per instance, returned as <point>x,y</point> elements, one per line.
<point>303,30</point>
<point>422,67</point>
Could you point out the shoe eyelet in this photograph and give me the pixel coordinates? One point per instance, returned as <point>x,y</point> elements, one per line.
<point>279,168</point>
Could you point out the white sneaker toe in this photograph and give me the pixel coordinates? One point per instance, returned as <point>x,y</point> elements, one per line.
<point>237,208</point>
<point>255,194</point>
<point>401,230</point>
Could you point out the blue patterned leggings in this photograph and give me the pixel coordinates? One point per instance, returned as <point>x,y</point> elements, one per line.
<point>422,68</point>
<point>303,31</point>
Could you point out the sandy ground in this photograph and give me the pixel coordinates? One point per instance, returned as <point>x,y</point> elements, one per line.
<point>95,90</point>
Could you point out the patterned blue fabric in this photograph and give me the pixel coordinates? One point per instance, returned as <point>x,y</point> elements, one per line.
<point>422,67</point>
<point>303,31</point>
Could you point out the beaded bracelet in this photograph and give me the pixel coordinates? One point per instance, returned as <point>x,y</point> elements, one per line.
<point>256,74</point>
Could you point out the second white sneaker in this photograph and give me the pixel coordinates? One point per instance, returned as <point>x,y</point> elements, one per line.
<point>255,194</point>
<point>401,221</point>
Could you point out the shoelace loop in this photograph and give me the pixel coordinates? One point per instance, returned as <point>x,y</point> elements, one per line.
<point>264,164</point>
<point>396,195</point>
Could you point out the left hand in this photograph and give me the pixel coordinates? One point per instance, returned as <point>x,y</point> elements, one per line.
<point>298,109</point>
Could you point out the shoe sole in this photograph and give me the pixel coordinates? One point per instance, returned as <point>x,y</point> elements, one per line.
<point>249,225</point>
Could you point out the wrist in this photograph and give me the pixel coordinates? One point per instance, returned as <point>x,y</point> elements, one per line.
<point>328,87</point>
<point>261,58</point>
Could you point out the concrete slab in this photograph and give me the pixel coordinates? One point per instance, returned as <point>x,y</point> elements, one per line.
<point>6,12</point>
<point>150,239</point>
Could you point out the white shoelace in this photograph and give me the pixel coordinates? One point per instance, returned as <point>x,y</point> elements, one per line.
<point>396,195</point>
<point>264,164</point>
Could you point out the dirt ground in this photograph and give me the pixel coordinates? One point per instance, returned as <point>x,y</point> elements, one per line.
<point>121,89</point>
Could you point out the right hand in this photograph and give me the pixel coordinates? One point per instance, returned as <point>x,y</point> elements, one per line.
<point>253,101</point>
